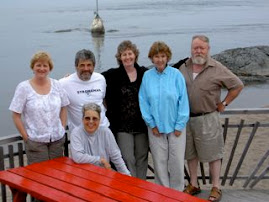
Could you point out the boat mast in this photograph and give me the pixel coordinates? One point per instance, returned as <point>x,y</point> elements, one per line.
<point>96,6</point>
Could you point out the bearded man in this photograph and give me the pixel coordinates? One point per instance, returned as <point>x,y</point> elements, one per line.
<point>84,86</point>
<point>205,77</point>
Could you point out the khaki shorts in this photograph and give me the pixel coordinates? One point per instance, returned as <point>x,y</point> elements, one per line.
<point>204,138</point>
<point>39,151</point>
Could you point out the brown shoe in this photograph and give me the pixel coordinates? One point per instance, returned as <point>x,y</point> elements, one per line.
<point>215,194</point>
<point>192,190</point>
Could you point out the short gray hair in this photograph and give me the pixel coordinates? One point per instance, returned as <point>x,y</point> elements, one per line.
<point>84,55</point>
<point>91,106</point>
<point>203,38</point>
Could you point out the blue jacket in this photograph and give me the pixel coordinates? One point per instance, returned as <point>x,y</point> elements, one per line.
<point>163,100</point>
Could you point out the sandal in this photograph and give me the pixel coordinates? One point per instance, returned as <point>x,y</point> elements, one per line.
<point>215,194</point>
<point>192,190</point>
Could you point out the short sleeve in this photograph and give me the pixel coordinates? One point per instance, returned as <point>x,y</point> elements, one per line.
<point>19,99</point>
<point>230,80</point>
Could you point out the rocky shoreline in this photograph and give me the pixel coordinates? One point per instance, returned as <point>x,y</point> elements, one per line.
<point>251,64</point>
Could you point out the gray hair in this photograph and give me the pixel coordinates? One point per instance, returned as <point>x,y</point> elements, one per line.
<point>84,55</point>
<point>91,106</point>
<point>201,37</point>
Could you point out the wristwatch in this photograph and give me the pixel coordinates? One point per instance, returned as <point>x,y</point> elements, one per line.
<point>225,103</point>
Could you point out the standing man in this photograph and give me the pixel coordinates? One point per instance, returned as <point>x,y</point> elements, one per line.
<point>205,77</point>
<point>84,86</point>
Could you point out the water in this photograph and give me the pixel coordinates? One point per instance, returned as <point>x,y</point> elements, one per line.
<point>62,28</point>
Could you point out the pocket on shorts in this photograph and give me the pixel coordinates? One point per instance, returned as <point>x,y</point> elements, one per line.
<point>32,145</point>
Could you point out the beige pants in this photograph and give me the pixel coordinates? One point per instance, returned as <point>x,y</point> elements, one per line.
<point>168,159</point>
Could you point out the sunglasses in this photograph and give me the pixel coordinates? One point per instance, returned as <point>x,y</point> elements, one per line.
<point>94,119</point>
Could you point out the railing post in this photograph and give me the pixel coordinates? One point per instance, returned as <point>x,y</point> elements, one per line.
<point>2,167</point>
<point>256,126</point>
<point>232,152</point>
<point>66,143</point>
<point>266,170</point>
<point>11,156</point>
<point>256,169</point>
<point>20,152</point>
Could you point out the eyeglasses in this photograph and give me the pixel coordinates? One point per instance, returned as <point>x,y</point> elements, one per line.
<point>88,118</point>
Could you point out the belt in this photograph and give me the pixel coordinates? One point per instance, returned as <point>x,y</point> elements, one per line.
<point>199,114</point>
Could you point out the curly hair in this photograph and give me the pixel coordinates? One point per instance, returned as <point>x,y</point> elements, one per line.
<point>123,46</point>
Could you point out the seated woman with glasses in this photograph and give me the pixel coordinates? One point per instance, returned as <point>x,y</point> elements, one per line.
<point>93,144</point>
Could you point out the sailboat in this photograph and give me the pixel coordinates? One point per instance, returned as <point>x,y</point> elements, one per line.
<point>97,26</point>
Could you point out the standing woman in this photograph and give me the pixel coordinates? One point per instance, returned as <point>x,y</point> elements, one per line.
<point>123,111</point>
<point>41,102</point>
<point>164,105</point>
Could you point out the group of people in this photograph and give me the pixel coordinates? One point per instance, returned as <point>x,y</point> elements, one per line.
<point>116,117</point>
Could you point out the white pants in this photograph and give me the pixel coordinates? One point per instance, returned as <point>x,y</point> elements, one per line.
<point>168,158</point>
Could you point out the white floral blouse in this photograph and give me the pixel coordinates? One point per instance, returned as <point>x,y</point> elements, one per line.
<point>41,113</point>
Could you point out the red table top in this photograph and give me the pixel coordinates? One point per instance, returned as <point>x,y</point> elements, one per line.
<point>62,179</point>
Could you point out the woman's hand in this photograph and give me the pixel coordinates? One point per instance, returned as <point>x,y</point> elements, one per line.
<point>19,125</point>
<point>155,132</point>
<point>105,163</point>
<point>177,133</point>
<point>25,138</point>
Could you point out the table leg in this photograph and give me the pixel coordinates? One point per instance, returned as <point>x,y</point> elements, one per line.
<point>18,196</point>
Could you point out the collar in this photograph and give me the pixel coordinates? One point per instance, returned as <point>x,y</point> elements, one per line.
<point>165,71</point>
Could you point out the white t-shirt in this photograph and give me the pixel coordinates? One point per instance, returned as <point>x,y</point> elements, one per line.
<point>41,113</point>
<point>82,92</point>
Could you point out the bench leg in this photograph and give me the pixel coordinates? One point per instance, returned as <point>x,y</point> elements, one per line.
<point>18,196</point>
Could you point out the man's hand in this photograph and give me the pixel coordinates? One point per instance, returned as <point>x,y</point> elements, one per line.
<point>221,107</point>
<point>177,133</point>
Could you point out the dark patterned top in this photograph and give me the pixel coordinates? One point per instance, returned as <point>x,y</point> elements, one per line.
<point>130,111</point>
<point>122,103</point>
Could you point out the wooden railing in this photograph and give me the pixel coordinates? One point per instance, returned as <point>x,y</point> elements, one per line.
<point>236,130</point>
<point>236,155</point>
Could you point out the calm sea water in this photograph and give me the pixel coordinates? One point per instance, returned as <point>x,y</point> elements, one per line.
<point>62,28</point>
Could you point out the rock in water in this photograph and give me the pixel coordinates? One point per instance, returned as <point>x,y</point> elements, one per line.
<point>97,26</point>
<point>249,63</point>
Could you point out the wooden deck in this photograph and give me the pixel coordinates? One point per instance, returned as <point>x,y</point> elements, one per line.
<point>240,195</point>
<point>245,167</point>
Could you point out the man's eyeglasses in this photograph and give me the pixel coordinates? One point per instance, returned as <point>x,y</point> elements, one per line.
<point>88,118</point>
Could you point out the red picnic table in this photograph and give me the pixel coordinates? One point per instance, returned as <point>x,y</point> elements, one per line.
<point>62,179</point>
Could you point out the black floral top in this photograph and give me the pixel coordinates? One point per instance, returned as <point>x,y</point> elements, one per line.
<point>122,103</point>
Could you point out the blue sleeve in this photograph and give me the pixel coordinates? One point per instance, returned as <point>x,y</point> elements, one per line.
<point>144,104</point>
<point>183,105</point>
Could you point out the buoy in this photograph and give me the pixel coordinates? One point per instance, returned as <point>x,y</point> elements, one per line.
<point>97,26</point>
